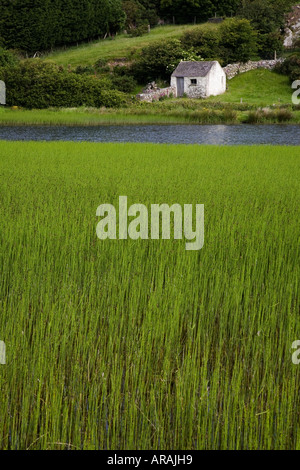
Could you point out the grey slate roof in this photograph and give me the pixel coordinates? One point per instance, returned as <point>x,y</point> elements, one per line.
<point>193,69</point>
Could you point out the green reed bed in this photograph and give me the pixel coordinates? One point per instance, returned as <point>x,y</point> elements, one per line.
<point>165,112</point>
<point>141,344</point>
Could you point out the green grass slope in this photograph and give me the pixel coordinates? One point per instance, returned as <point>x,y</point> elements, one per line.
<point>257,87</point>
<point>121,46</point>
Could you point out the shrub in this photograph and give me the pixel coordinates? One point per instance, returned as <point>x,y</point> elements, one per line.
<point>121,70</point>
<point>291,67</point>
<point>124,83</point>
<point>269,43</point>
<point>138,31</point>
<point>36,84</point>
<point>205,42</point>
<point>238,40</point>
<point>110,99</point>
<point>85,70</point>
<point>234,41</point>
<point>159,59</point>
<point>154,60</point>
<point>7,58</point>
<point>101,66</point>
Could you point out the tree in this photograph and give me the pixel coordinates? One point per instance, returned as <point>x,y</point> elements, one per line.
<point>238,40</point>
<point>266,16</point>
<point>159,59</point>
<point>139,12</point>
<point>206,42</point>
<point>37,25</point>
<point>186,11</point>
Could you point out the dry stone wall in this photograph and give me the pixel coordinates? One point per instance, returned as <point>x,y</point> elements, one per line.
<point>155,95</point>
<point>232,70</point>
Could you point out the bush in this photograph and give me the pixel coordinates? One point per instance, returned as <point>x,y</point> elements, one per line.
<point>159,59</point>
<point>269,43</point>
<point>266,16</point>
<point>85,70</point>
<point>110,99</point>
<point>36,84</point>
<point>124,83</point>
<point>121,71</point>
<point>291,67</point>
<point>238,40</point>
<point>138,31</point>
<point>7,58</point>
<point>154,60</point>
<point>101,66</point>
<point>205,42</point>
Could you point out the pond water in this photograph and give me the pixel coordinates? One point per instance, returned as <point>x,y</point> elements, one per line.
<point>171,134</point>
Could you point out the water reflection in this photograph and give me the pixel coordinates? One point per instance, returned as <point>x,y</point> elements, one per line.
<point>172,134</point>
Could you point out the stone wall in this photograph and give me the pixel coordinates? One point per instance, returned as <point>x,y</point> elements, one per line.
<point>156,94</point>
<point>232,70</point>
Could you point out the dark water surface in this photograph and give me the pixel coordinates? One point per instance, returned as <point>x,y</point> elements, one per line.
<point>171,134</point>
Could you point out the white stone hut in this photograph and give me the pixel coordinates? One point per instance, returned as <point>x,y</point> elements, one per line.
<point>2,93</point>
<point>199,79</point>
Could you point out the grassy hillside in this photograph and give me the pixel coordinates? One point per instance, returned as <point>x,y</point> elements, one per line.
<point>121,46</point>
<point>257,87</point>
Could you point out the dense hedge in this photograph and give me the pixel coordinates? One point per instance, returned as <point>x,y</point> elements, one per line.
<point>38,25</point>
<point>36,84</point>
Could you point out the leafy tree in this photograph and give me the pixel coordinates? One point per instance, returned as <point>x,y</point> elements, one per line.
<point>37,25</point>
<point>269,43</point>
<point>238,40</point>
<point>265,15</point>
<point>152,10</point>
<point>206,42</point>
<point>159,59</point>
<point>139,13</point>
<point>268,18</point>
<point>185,11</point>
<point>291,67</point>
<point>226,7</point>
<point>134,13</point>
